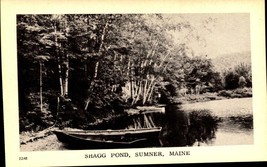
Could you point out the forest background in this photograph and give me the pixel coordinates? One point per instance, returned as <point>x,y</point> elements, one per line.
<point>74,70</point>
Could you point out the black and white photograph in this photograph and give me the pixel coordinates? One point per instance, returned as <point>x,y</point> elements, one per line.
<point>133,86</point>
<point>97,81</point>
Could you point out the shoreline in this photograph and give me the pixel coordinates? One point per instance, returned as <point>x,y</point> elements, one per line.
<point>50,142</point>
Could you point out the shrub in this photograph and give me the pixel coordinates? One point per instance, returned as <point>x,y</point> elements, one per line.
<point>31,116</point>
<point>231,80</point>
<point>236,93</point>
<point>225,93</point>
<point>202,126</point>
<point>242,82</point>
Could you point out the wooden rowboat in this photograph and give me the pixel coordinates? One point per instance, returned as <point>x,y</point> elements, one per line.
<point>101,139</point>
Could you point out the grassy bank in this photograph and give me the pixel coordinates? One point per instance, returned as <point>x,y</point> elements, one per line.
<point>221,95</point>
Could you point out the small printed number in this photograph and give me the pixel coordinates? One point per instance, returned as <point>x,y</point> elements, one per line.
<point>23,158</point>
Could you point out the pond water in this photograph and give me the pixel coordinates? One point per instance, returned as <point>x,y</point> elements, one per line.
<point>218,122</point>
<point>232,137</point>
<point>235,121</point>
<point>213,123</point>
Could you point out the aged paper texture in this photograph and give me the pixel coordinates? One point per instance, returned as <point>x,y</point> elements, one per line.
<point>222,32</point>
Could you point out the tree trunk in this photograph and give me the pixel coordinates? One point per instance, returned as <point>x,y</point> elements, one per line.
<point>60,78</point>
<point>100,48</point>
<point>96,69</point>
<point>145,92</point>
<point>149,98</point>
<point>59,65</point>
<point>149,89</point>
<point>131,82</point>
<point>41,87</point>
<point>66,82</point>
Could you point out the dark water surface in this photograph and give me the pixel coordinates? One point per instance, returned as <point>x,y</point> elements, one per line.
<point>235,121</point>
<point>221,122</point>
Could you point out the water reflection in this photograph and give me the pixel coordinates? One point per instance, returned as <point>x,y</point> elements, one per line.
<point>195,124</point>
<point>230,133</point>
<point>176,127</point>
<point>199,127</point>
<point>234,130</point>
<point>186,128</point>
<point>235,124</point>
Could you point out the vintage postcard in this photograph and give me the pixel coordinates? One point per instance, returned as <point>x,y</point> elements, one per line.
<point>133,82</point>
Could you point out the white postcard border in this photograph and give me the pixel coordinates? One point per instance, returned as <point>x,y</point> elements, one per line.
<point>240,153</point>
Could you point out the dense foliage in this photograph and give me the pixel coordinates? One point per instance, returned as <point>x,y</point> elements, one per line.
<point>240,76</point>
<point>76,69</point>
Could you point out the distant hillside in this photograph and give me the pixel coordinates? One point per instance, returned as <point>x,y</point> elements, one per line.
<point>224,62</point>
